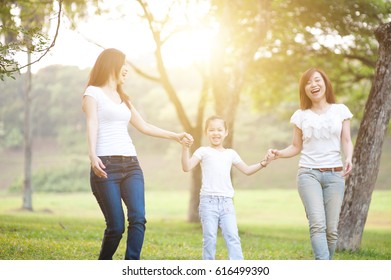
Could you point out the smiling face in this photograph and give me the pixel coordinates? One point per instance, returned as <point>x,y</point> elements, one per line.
<point>315,88</point>
<point>216,132</point>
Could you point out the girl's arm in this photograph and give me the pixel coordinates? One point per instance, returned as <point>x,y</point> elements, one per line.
<point>138,122</point>
<point>251,169</point>
<point>89,107</point>
<point>347,146</point>
<point>188,163</point>
<point>292,150</point>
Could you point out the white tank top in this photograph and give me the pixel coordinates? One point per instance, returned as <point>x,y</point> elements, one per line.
<point>113,119</point>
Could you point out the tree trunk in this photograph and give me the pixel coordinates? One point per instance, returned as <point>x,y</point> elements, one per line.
<point>366,159</point>
<point>27,188</point>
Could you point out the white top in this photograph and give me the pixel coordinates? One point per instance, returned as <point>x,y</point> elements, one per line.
<point>321,136</point>
<point>113,119</point>
<point>216,170</point>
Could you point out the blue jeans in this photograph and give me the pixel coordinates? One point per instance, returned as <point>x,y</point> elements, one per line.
<point>124,182</point>
<point>219,211</point>
<point>322,195</point>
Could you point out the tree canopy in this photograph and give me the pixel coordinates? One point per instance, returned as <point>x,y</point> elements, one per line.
<point>25,25</point>
<point>337,35</point>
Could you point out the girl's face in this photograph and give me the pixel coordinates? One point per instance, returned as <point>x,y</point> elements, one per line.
<point>216,133</point>
<point>316,87</point>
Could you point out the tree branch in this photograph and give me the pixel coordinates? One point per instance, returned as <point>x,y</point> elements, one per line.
<point>362,59</point>
<point>164,79</point>
<point>142,73</point>
<point>54,39</point>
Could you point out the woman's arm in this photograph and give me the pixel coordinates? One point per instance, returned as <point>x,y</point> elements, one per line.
<point>293,149</point>
<point>188,163</point>
<point>347,146</point>
<point>138,122</point>
<point>90,109</point>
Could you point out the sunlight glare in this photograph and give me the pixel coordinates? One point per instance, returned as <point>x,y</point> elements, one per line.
<point>188,48</point>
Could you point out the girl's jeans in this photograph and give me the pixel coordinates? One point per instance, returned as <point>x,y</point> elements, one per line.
<point>125,182</point>
<point>219,211</point>
<point>322,195</point>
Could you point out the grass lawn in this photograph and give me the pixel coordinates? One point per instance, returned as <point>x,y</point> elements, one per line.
<point>272,226</point>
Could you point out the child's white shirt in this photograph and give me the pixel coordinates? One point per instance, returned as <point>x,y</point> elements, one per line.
<point>216,170</point>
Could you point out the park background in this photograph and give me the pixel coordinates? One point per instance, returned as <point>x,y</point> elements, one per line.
<point>66,222</point>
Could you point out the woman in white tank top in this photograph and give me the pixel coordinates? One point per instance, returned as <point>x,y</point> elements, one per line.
<point>115,174</point>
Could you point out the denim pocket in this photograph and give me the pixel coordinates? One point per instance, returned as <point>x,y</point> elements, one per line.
<point>336,178</point>
<point>205,201</point>
<point>229,205</point>
<point>303,171</point>
<point>206,204</point>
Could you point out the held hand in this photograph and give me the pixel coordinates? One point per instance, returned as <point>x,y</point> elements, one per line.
<point>97,167</point>
<point>186,142</point>
<point>268,158</point>
<point>272,154</point>
<point>189,137</point>
<point>186,139</point>
<point>348,168</point>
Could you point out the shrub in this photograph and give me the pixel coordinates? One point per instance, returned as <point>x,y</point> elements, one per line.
<point>74,178</point>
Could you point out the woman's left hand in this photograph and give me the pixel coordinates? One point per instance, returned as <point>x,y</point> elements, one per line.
<point>348,168</point>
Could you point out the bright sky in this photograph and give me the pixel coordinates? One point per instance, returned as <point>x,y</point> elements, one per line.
<point>77,47</point>
<point>127,33</point>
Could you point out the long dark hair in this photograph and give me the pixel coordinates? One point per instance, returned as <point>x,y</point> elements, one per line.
<point>109,61</point>
<point>305,102</point>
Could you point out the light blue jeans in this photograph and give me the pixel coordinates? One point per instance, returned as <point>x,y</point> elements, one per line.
<point>215,212</point>
<point>322,195</point>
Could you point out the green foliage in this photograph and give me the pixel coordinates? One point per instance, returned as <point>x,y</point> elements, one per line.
<point>72,140</point>
<point>334,35</point>
<point>13,139</point>
<point>56,107</point>
<point>24,27</point>
<point>70,178</point>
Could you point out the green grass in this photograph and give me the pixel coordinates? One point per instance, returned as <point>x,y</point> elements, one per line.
<point>272,226</point>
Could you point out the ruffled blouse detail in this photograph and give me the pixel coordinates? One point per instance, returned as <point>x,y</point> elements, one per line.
<point>321,126</point>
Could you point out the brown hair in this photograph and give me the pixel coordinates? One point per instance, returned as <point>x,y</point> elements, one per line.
<point>305,102</point>
<point>212,118</point>
<point>109,61</point>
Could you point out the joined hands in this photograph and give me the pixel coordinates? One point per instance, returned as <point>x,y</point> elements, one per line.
<point>186,140</point>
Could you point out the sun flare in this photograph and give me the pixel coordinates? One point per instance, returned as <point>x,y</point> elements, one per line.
<point>187,48</point>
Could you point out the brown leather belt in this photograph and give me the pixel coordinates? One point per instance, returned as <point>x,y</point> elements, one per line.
<point>334,169</point>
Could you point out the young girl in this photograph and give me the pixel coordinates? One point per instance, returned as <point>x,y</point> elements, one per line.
<point>216,207</point>
<point>321,129</point>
